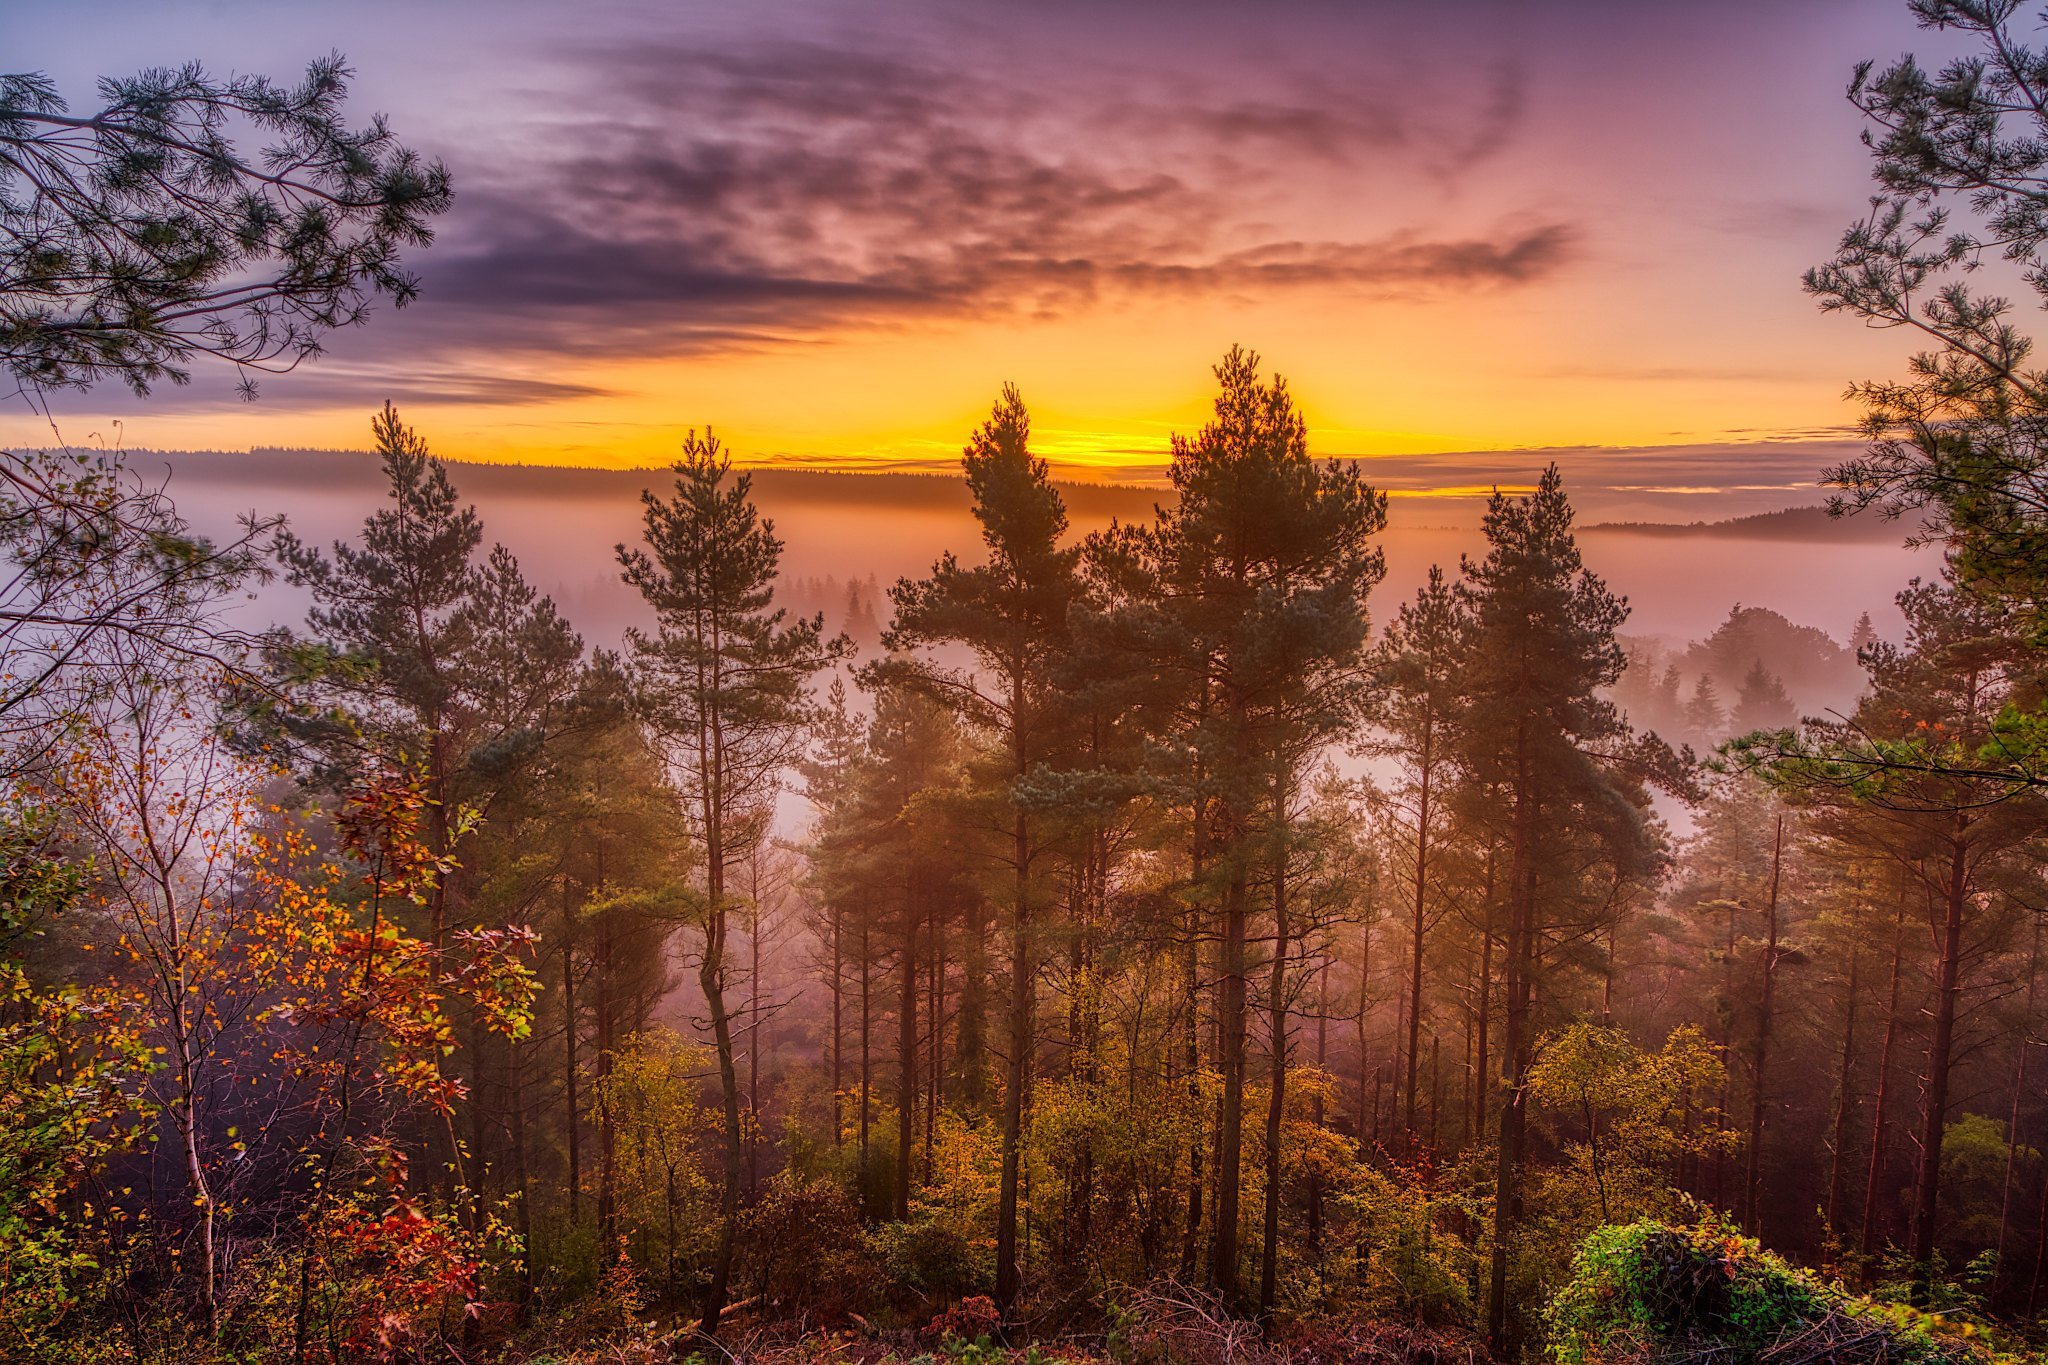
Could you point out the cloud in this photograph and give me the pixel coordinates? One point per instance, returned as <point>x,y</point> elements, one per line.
<point>770,191</point>
<point>349,385</point>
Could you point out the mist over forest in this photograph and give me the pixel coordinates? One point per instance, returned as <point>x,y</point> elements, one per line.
<point>1510,826</point>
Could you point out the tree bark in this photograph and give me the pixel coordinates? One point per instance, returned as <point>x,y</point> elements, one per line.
<point>1845,1096</point>
<point>1276,1029</point>
<point>1501,1335</point>
<point>573,1120</point>
<point>1760,1054</point>
<point>906,1062</point>
<point>1880,1113</point>
<point>1422,814</point>
<point>1941,1049</point>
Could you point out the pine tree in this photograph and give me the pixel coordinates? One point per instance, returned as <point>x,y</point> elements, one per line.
<point>1534,730</point>
<point>724,681</point>
<point>421,653</point>
<point>418,654</point>
<point>1704,718</point>
<point>1421,662</point>
<point>1011,612</point>
<point>1259,573</point>
<point>1918,758</point>
<point>1763,703</point>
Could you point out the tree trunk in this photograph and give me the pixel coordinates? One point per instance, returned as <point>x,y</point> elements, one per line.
<point>1276,1031</point>
<point>607,1121</point>
<point>866,1071</point>
<point>1414,1059</point>
<point>1017,1072</point>
<point>1880,1111</point>
<point>1501,1336</point>
<point>1760,1055</point>
<point>838,1028</point>
<point>1364,1053</point>
<point>1191,1060</point>
<point>573,1120</point>
<point>970,1035</point>
<point>1482,1095</point>
<point>936,1009</point>
<point>185,1119</point>
<point>1940,1051</point>
<point>1845,1097</point>
<point>1230,1121</point>
<point>906,1063</point>
<point>1315,1181</point>
<point>2019,1090</point>
<point>522,1210</point>
<point>754,1030</point>
<point>1009,1279</point>
<point>1436,1092</point>
<point>711,976</point>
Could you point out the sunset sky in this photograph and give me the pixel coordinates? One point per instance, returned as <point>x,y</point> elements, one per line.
<point>832,231</point>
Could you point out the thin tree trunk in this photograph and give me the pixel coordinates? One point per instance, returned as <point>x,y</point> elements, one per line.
<point>522,1209</point>
<point>1223,1275</point>
<point>1501,1335</point>
<point>711,975</point>
<point>1845,1097</point>
<point>1191,1059</point>
<point>906,1064</point>
<point>1422,814</point>
<point>2019,1090</point>
<point>838,1028</point>
<point>1277,1031</point>
<point>1364,1053</point>
<point>1940,1051</point>
<point>1722,1115</point>
<point>1753,1157</point>
<point>936,1009</point>
<point>1315,1180</point>
<point>1009,1278</point>
<point>1880,1110</point>
<point>866,1072</point>
<point>1436,1092</point>
<point>970,1037</point>
<point>185,1119</point>
<point>1483,1094</point>
<point>754,1026</point>
<point>573,1121</point>
<point>607,1121</point>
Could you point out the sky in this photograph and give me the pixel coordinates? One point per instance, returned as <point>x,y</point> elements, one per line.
<point>1472,237</point>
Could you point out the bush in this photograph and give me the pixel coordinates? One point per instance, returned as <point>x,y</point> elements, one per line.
<point>1409,1271</point>
<point>1648,1291</point>
<point>803,1244</point>
<point>929,1258</point>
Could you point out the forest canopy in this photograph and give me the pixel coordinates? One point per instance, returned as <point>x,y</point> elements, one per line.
<point>1151,943</point>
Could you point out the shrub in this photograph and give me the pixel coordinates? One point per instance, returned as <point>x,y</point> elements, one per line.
<point>803,1244</point>
<point>1408,1270</point>
<point>1648,1291</point>
<point>929,1258</point>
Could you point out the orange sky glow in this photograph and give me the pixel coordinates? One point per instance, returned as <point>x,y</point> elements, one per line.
<point>832,237</point>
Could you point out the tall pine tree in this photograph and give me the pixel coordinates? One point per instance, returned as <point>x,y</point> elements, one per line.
<point>724,682</point>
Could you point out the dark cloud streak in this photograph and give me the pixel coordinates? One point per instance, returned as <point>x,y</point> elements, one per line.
<point>738,198</point>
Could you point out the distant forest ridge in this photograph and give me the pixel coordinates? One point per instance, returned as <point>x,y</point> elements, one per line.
<point>1812,522</point>
<point>316,469</point>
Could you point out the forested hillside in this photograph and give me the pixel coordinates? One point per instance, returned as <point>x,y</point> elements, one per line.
<point>1138,933</point>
